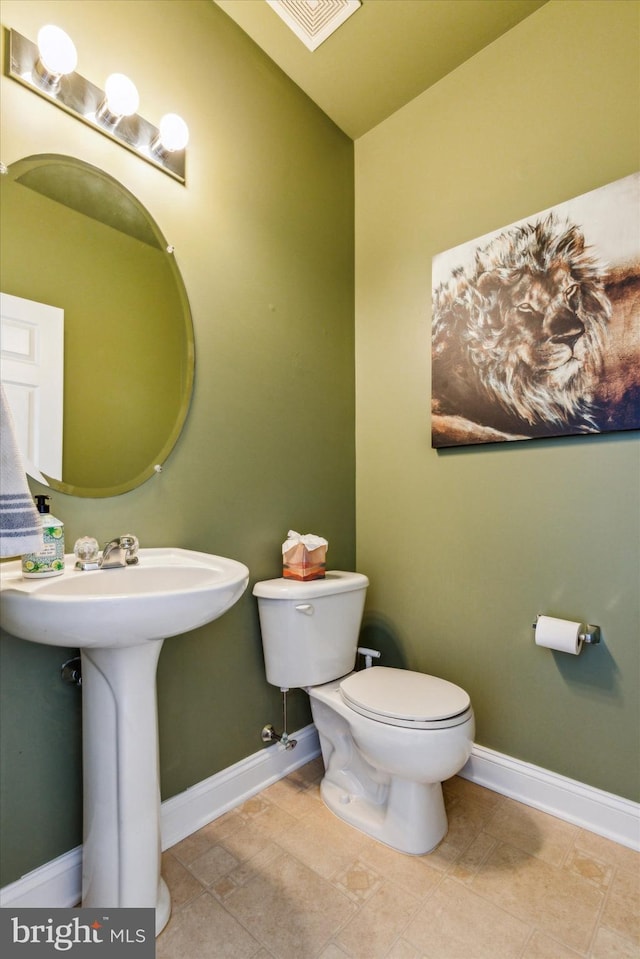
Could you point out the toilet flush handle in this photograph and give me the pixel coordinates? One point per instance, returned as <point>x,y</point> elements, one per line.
<point>305,608</point>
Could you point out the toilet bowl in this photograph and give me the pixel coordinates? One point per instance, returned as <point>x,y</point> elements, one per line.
<point>383,773</point>
<point>389,737</point>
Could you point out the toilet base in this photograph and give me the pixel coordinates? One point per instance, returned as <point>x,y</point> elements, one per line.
<point>417,829</point>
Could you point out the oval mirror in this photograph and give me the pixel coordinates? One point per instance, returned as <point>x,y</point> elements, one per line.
<point>74,238</point>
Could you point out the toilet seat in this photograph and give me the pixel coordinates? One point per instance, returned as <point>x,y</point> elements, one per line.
<point>402,697</point>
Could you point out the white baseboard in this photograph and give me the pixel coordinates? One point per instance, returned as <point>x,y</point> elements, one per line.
<point>593,809</point>
<point>59,882</point>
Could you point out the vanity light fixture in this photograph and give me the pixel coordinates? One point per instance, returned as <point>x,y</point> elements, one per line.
<point>48,68</point>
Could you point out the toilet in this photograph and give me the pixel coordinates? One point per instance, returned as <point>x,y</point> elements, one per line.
<point>389,737</point>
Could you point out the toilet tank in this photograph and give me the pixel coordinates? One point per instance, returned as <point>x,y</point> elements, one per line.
<point>310,629</point>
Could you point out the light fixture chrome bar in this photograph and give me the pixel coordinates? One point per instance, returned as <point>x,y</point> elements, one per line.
<point>82,99</point>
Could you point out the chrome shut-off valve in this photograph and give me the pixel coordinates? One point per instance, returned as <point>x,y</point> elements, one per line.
<point>269,735</point>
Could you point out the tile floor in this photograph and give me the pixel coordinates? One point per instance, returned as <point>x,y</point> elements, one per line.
<point>280,877</point>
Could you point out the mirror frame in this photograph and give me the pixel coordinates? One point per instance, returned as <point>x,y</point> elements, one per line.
<point>20,168</point>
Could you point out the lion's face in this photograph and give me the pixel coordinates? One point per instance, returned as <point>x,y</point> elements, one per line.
<point>542,312</point>
<point>525,333</point>
<point>536,324</point>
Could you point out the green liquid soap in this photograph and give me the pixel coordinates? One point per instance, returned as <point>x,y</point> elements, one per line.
<point>49,561</point>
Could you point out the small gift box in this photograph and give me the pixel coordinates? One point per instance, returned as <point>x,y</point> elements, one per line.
<point>304,557</point>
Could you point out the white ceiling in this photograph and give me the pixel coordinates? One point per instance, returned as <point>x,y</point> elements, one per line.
<point>384,55</point>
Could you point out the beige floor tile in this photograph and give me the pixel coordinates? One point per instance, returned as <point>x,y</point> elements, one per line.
<point>246,841</point>
<point>536,832</point>
<point>309,774</point>
<point>314,792</point>
<point>595,870</point>
<point>412,873</point>
<point>379,922</point>
<point>258,865</point>
<point>290,909</point>
<point>457,924</point>
<point>467,818</point>
<point>609,945</point>
<point>608,851</point>
<point>541,946</point>
<point>274,820</point>
<point>459,788</point>
<point>291,797</point>
<point>469,862</point>
<point>358,881</point>
<point>254,806</point>
<point>622,907</point>
<point>223,887</point>
<point>203,929</point>
<point>323,842</point>
<point>223,826</point>
<point>212,865</point>
<point>183,886</point>
<point>563,905</point>
<point>193,846</point>
<point>401,949</point>
<point>333,952</point>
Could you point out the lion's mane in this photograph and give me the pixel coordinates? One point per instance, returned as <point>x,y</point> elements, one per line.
<point>518,337</point>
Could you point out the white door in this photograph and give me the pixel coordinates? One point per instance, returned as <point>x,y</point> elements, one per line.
<point>32,372</point>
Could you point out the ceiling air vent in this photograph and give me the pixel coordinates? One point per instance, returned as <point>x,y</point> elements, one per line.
<point>313,21</point>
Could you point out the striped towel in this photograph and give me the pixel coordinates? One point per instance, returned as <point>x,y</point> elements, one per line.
<point>20,523</point>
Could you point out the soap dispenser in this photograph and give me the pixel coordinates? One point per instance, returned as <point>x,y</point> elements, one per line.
<point>49,561</point>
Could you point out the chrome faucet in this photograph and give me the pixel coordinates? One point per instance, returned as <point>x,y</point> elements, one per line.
<point>119,552</point>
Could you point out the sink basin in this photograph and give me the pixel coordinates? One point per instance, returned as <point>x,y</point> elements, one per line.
<point>169,592</point>
<point>119,618</point>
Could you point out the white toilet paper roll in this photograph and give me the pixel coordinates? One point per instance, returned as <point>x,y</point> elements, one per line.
<point>560,634</point>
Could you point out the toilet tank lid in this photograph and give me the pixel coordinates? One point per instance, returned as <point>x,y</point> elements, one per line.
<point>335,581</point>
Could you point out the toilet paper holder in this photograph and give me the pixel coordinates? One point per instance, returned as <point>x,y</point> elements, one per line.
<point>590,636</point>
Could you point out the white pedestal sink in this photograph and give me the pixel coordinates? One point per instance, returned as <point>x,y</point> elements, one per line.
<point>119,619</point>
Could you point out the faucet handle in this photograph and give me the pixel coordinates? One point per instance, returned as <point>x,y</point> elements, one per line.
<point>130,544</point>
<point>86,549</point>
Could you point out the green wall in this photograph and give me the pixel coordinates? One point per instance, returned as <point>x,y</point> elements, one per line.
<point>464,547</point>
<point>263,234</point>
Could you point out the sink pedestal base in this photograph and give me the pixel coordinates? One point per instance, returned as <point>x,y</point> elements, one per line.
<point>122,848</point>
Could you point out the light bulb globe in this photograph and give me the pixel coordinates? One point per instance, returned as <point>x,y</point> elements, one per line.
<point>174,132</point>
<point>121,95</point>
<point>57,50</point>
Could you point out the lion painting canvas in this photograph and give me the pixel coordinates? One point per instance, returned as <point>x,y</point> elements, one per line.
<point>536,327</point>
